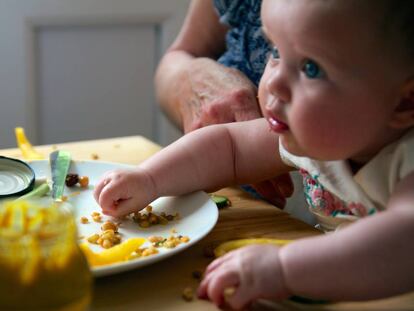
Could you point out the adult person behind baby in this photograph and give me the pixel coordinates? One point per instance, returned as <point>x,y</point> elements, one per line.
<point>210,73</point>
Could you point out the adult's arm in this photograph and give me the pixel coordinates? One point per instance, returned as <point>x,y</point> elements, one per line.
<point>192,88</point>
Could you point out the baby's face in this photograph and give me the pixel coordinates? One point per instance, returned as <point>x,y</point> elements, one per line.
<point>327,88</point>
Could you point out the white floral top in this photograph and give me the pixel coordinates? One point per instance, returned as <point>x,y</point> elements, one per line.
<point>336,196</point>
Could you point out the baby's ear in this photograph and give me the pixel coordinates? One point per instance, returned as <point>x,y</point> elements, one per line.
<point>403,115</point>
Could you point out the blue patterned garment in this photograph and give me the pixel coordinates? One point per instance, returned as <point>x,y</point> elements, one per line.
<point>247,49</point>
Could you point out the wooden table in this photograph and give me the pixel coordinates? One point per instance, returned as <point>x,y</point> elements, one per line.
<point>159,286</point>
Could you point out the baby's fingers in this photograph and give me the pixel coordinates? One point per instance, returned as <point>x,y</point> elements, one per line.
<point>111,195</point>
<point>219,261</point>
<point>239,297</point>
<point>98,188</point>
<point>214,286</point>
<point>121,208</point>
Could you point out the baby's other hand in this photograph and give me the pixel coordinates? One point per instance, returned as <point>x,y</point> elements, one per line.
<point>253,272</point>
<point>122,192</point>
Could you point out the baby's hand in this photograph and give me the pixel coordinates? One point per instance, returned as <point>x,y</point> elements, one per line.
<point>122,192</point>
<point>253,271</point>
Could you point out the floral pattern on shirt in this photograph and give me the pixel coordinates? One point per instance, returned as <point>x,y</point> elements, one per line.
<point>246,47</point>
<point>325,203</point>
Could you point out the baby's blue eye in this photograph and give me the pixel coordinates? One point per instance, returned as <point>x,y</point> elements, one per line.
<point>312,70</point>
<point>275,52</point>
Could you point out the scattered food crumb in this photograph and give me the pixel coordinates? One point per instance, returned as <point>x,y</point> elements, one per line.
<point>84,220</point>
<point>94,156</point>
<point>71,180</point>
<point>74,194</point>
<point>197,274</point>
<point>188,294</point>
<point>96,217</point>
<point>84,181</point>
<point>220,200</point>
<point>208,251</point>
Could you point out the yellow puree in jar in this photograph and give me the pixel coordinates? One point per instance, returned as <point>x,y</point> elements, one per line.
<point>42,267</point>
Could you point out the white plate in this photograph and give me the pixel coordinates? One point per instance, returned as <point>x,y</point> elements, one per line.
<point>198,214</point>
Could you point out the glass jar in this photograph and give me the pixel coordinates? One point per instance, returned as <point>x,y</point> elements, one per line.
<point>41,265</point>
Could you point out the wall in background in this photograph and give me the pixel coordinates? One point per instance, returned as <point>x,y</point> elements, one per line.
<point>83,69</point>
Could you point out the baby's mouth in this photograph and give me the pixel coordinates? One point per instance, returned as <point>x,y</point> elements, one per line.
<point>277,125</point>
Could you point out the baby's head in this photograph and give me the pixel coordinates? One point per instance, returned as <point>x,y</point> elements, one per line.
<point>339,83</point>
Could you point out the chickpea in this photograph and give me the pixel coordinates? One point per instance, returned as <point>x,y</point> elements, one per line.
<point>84,181</point>
<point>109,225</point>
<point>188,294</point>
<point>93,238</point>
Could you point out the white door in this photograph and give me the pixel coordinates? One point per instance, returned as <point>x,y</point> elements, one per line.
<point>83,69</point>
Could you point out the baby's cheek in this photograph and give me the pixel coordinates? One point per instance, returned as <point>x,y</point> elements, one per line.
<point>263,92</point>
<point>314,135</point>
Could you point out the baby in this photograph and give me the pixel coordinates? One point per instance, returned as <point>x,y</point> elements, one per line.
<point>338,97</point>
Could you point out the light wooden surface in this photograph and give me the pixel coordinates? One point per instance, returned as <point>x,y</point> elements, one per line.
<point>159,286</point>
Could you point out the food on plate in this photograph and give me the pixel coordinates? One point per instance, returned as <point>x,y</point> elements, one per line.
<point>118,253</point>
<point>144,252</point>
<point>72,180</point>
<point>109,225</point>
<point>37,192</point>
<point>149,218</point>
<point>84,181</point>
<point>96,216</point>
<point>108,237</point>
<point>170,242</point>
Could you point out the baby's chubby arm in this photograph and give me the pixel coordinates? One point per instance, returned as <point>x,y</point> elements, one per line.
<point>206,159</point>
<point>370,259</point>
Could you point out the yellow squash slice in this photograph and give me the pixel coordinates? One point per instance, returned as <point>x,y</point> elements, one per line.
<point>232,245</point>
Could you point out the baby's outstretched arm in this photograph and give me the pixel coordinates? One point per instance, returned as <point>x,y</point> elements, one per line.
<point>370,259</point>
<point>207,159</point>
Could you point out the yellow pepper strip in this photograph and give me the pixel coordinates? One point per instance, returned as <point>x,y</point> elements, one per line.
<point>232,245</point>
<point>30,266</point>
<point>115,254</point>
<point>25,146</point>
<point>18,218</point>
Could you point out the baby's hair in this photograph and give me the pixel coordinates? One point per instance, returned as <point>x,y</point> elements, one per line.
<point>399,20</point>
